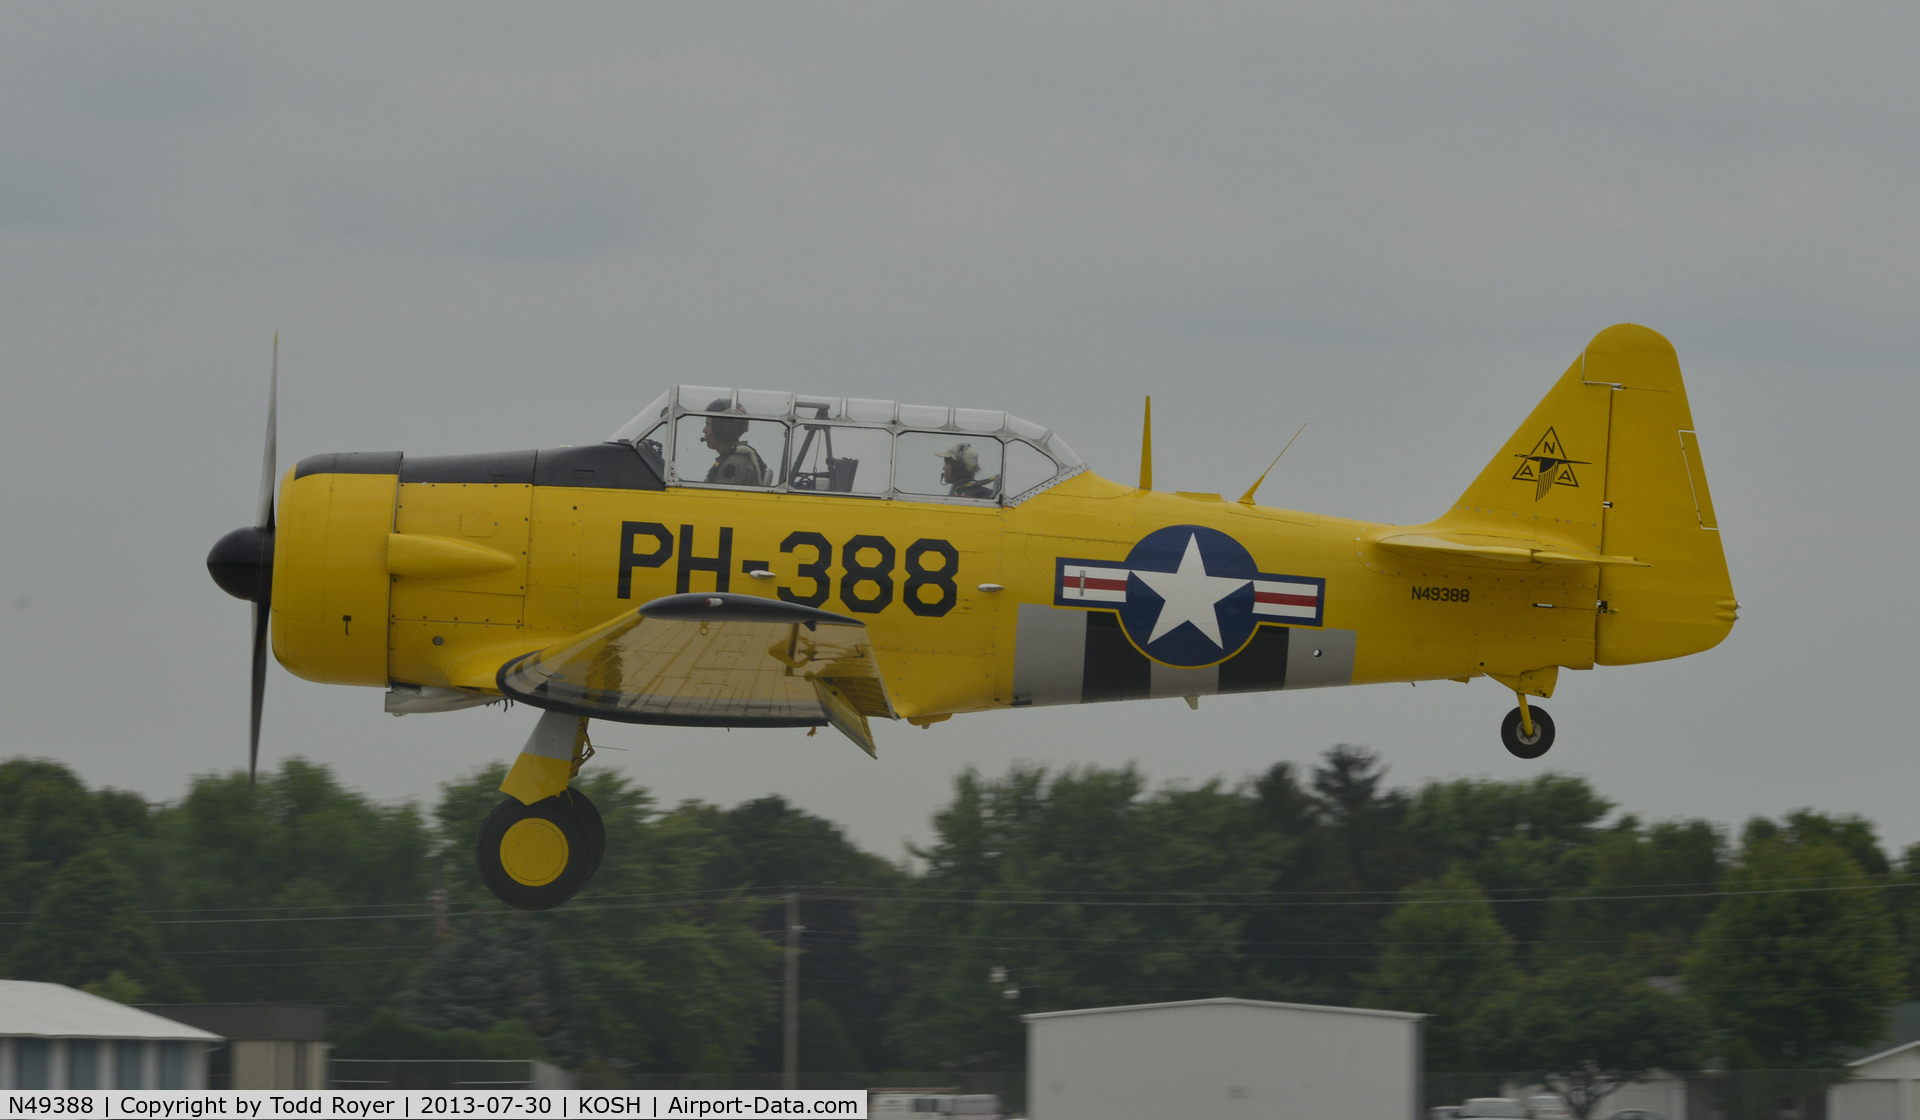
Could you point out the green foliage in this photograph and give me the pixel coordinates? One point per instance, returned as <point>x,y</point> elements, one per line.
<point>680,976</point>
<point>1518,840</point>
<point>499,968</point>
<point>1904,908</point>
<point>1646,894</point>
<point>1339,839</point>
<point>298,847</point>
<point>1796,978</point>
<point>89,926</point>
<point>118,987</point>
<point>824,1045</point>
<point>1043,875</point>
<point>1515,913</point>
<point>1584,1026</point>
<point>386,1036</point>
<point>47,817</point>
<point>1446,955</point>
<point>767,845</point>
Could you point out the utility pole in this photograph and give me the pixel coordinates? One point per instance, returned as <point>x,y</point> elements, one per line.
<point>790,1050</point>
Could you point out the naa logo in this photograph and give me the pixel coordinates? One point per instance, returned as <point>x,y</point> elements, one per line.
<point>1548,466</point>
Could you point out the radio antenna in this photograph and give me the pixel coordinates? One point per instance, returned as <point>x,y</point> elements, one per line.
<point>1246,499</point>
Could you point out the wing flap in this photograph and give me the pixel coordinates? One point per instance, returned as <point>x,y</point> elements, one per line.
<point>720,660</point>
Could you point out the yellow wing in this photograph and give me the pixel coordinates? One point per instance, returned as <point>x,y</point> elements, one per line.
<point>711,660</point>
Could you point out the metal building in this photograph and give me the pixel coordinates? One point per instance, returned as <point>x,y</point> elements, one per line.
<point>56,1037</point>
<point>269,1045</point>
<point>1224,1059</point>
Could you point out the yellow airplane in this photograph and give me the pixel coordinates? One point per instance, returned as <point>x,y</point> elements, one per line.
<point>742,558</point>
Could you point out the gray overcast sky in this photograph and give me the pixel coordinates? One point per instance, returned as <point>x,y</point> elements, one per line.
<point>481,228</point>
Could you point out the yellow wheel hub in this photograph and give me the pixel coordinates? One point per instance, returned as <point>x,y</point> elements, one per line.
<point>534,852</point>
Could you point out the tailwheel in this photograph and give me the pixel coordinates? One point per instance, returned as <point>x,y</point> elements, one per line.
<point>1515,737</point>
<point>536,856</point>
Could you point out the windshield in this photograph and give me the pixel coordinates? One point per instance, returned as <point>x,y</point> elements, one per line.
<point>647,418</point>
<point>710,435</point>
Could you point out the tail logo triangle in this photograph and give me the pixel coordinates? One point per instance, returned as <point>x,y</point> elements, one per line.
<point>1548,466</point>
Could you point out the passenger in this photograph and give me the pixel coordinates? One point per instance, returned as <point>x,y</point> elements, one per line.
<point>735,462</point>
<point>961,471</point>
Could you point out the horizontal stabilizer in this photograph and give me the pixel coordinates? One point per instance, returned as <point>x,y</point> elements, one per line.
<point>1494,549</point>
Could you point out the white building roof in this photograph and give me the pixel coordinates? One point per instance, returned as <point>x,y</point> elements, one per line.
<point>1224,1000</point>
<point>1903,1048</point>
<point>35,1010</point>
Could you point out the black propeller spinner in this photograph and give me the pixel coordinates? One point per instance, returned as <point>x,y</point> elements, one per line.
<point>242,564</point>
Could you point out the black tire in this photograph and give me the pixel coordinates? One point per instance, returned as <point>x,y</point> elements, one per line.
<point>538,866</point>
<point>1520,746</point>
<point>589,814</point>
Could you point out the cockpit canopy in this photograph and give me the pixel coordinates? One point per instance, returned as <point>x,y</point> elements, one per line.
<point>701,435</point>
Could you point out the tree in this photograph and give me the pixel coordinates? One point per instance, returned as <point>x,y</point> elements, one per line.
<point>1585,1026</point>
<point>1341,837</point>
<point>299,889</point>
<point>46,818</point>
<point>88,929</point>
<point>768,847</point>
<point>1084,887</point>
<point>1518,840</point>
<point>385,1035</point>
<point>1905,907</point>
<point>1646,895</point>
<point>672,976</point>
<point>496,972</point>
<point>1446,955</point>
<point>1798,967</point>
<point>824,1045</point>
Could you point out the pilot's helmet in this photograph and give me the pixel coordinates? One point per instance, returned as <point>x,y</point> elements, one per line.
<point>729,428</point>
<point>965,459</point>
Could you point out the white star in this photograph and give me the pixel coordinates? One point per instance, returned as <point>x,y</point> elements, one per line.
<point>1190,595</point>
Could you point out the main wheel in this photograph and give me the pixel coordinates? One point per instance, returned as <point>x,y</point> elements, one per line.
<point>1527,746</point>
<point>589,815</point>
<point>536,856</point>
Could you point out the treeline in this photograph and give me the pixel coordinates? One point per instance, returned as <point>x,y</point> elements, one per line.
<point>1540,930</point>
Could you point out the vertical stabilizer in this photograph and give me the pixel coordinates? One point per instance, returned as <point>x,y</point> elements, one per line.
<point>1547,483</point>
<point>1609,463</point>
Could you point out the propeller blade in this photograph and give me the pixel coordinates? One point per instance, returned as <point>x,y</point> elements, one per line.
<point>265,518</point>
<point>260,613</point>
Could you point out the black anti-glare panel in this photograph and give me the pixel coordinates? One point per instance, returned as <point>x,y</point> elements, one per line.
<point>507,468</point>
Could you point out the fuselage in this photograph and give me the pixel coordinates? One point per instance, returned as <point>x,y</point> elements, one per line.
<point>964,605</point>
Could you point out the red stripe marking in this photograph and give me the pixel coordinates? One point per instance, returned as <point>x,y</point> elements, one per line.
<point>1288,600</point>
<point>1089,583</point>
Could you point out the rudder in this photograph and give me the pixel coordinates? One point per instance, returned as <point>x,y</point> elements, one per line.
<point>1657,509</point>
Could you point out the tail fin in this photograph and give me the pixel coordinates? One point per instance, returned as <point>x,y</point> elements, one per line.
<point>1608,466</point>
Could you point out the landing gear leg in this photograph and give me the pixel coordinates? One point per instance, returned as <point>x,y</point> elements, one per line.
<point>1527,732</point>
<point>541,845</point>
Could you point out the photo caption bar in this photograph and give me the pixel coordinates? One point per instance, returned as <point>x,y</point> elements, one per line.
<point>396,1104</point>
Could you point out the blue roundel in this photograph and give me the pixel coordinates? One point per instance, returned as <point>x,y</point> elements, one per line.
<point>1190,595</point>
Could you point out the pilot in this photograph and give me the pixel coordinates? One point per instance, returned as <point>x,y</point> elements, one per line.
<point>735,462</point>
<point>961,473</point>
